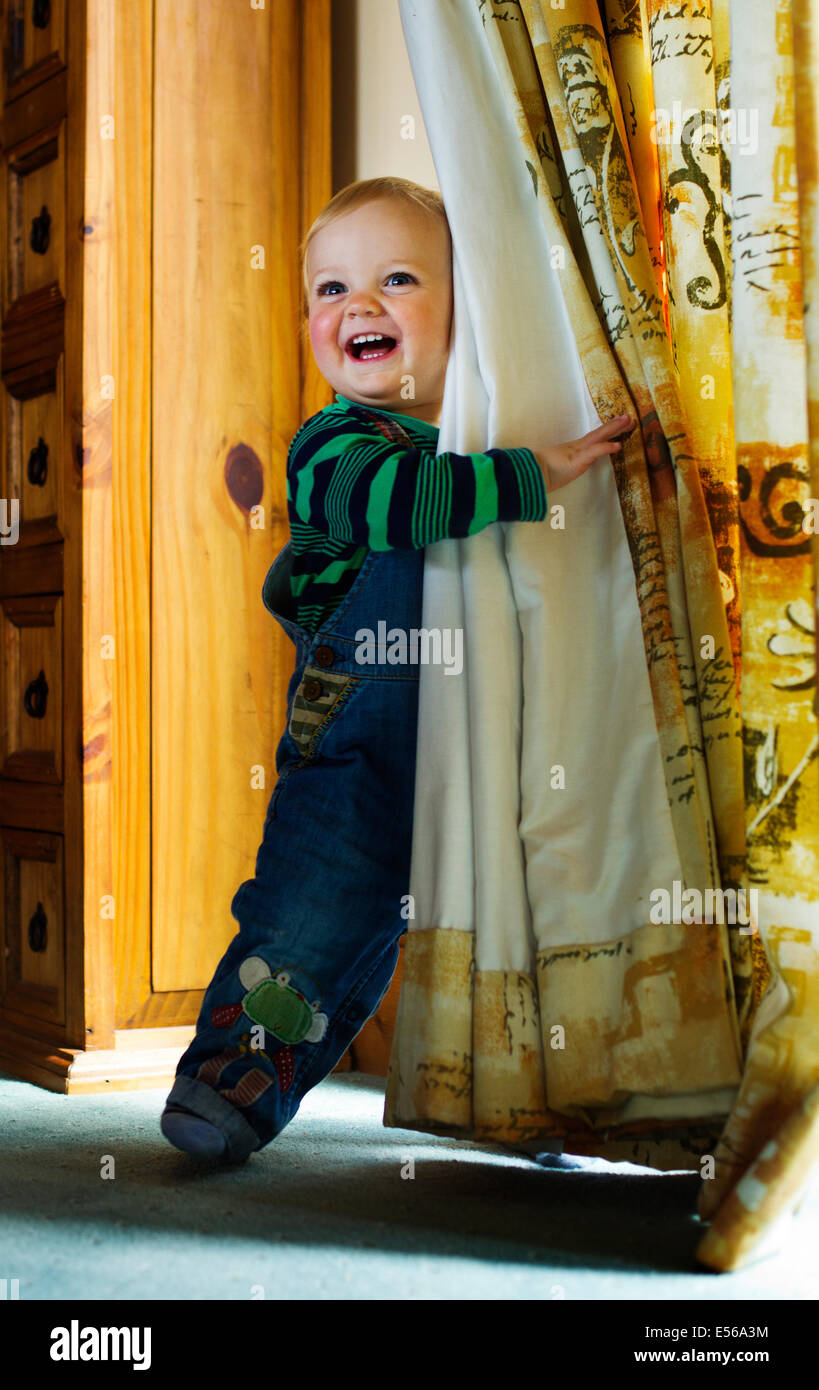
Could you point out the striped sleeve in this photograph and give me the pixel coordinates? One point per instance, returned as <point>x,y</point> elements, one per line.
<point>360,488</point>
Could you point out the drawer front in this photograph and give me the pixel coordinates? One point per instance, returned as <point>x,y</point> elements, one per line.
<point>31,748</point>
<point>35,464</point>
<point>32,982</point>
<point>35,42</point>
<point>36,201</point>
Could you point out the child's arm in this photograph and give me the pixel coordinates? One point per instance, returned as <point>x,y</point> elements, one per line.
<point>350,483</point>
<point>562,463</point>
<point>354,485</point>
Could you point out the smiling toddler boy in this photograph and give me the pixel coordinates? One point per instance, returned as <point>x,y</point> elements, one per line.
<point>321,920</point>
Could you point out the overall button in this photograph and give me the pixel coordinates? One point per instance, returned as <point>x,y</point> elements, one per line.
<point>312,689</point>
<point>324,656</point>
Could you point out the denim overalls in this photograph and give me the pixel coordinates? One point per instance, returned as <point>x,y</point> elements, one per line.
<point>319,924</point>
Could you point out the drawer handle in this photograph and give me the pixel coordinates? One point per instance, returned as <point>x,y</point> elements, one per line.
<point>36,696</point>
<point>37,467</point>
<point>41,13</point>
<point>37,933</point>
<point>38,240</point>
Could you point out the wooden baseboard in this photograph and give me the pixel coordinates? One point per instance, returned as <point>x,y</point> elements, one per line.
<point>139,1062</point>
<point>73,1071</point>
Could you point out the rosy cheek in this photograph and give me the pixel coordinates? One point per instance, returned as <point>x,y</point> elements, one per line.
<point>324,330</point>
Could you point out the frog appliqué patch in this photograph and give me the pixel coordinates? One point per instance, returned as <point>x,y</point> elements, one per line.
<point>272,1001</point>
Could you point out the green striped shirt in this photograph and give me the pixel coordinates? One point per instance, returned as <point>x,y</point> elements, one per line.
<point>350,490</point>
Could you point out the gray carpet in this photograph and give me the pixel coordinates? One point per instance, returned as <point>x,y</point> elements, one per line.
<point>324,1213</point>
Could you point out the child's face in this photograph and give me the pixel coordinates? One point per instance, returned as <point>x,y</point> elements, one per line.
<point>384,268</point>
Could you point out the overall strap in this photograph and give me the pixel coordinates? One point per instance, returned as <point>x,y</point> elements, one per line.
<point>391,429</point>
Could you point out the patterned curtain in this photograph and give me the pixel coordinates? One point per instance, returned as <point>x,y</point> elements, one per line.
<point>670,151</point>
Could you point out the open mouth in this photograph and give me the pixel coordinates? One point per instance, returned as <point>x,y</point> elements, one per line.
<point>371,347</point>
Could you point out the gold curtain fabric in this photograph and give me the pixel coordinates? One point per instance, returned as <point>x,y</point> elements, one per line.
<point>672,154</point>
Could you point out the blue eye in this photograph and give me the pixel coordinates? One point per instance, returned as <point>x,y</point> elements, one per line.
<point>328,285</point>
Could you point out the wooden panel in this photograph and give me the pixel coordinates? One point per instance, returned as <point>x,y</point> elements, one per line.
<point>31,715</point>
<point>36,184</point>
<point>33,972</point>
<point>38,426</point>
<point>33,805</point>
<point>119,526</point>
<point>42,108</point>
<point>30,566</point>
<point>110,387</point>
<point>33,336</point>
<point>86,399</point>
<point>35,42</point>
<point>221,664</point>
<point>33,340</point>
<point>315,163</point>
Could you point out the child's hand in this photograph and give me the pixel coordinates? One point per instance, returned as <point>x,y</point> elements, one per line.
<point>562,463</point>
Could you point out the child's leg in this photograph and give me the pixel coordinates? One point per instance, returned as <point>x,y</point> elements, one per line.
<point>214,1122</point>
<point>321,919</point>
<point>318,939</point>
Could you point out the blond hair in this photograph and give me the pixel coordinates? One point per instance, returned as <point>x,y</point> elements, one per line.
<point>355,195</point>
